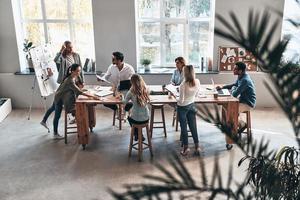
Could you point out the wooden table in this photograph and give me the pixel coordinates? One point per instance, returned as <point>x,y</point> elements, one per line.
<point>85,116</point>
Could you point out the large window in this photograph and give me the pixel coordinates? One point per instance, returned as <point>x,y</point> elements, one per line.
<point>54,21</point>
<point>290,31</point>
<point>167,29</point>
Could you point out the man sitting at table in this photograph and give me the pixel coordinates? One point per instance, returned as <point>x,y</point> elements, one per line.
<point>243,89</point>
<point>117,72</point>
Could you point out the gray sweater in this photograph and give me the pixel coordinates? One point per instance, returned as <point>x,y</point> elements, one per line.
<point>138,113</point>
<point>61,64</point>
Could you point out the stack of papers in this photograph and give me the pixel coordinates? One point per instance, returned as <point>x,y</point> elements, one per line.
<point>173,89</point>
<point>103,93</point>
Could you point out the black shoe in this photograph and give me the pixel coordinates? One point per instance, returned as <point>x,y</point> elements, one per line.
<point>136,138</point>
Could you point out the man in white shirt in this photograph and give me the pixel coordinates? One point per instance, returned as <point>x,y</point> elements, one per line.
<point>116,72</point>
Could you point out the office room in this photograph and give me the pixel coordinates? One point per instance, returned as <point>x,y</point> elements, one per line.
<point>149,99</point>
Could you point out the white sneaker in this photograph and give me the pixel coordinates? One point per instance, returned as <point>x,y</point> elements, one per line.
<point>57,137</point>
<point>44,124</point>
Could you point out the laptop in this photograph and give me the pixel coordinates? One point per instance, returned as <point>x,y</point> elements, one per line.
<point>124,85</point>
<point>222,92</point>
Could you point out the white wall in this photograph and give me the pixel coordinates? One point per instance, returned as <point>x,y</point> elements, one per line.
<point>114,29</point>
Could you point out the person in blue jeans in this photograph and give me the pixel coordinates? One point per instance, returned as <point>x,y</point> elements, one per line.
<point>66,95</point>
<point>188,90</point>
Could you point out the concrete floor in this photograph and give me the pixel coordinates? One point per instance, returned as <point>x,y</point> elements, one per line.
<point>34,166</point>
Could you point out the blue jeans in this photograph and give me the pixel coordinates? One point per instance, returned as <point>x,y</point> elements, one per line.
<point>187,116</point>
<point>58,109</point>
<point>48,112</point>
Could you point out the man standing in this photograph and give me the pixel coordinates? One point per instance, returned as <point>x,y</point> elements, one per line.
<point>118,71</point>
<point>243,89</point>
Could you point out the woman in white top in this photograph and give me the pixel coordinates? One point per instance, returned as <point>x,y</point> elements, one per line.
<point>188,90</point>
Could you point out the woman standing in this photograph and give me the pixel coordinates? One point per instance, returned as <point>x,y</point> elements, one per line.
<point>188,90</point>
<point>64,59</point>
<point>140,98</point>
<point>66,95</point>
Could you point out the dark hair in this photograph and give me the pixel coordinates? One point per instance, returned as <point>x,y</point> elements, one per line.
<point>71,69</point>
<point>241,66</point>
<point>180,59</point>
<point>118,56</point>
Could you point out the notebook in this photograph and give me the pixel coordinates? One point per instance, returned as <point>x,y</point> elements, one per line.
<point>222,92</point>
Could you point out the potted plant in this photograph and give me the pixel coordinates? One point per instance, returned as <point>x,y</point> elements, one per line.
<point>27,47</point>
<point>146,63</point>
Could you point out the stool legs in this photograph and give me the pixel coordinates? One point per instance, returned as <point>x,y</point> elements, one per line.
<point>131,142</point>
<point>151,122</point>
<point>249,134</point>
<point>163,120</point>
<point>66,127</point>
<point>140,144</point>
<point>149,141</point>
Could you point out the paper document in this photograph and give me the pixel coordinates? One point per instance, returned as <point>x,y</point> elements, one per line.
<point>103,93</point>
<point>173,89</point>
<point>102,79</point>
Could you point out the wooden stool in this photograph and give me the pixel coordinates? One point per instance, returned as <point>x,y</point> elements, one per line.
<point>69,128</point>
<point>140,140</point>
<point>152,122</point>
<point>175,119</point>
<point>119,114</point>
<point>248,121</point>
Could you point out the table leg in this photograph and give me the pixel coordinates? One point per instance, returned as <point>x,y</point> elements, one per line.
<point>82,123</point>
<point>120,116</point>
<point>92,116</point>
<point>232,113</point>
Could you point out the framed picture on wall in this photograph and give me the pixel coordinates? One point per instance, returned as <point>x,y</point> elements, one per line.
<point>228,56</point>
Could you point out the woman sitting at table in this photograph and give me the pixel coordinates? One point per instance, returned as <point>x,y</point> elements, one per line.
<point>188,90</point>
<point>140,98</point>
<point>177,76</point>
<point>66,95</point>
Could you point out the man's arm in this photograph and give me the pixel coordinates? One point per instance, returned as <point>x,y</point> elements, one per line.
<point>107,75</point>
<point>236,91</point>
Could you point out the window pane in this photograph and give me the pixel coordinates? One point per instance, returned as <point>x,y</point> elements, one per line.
<point>82,9</point>
<point>174,8</point>
<point>56,9</point>
<point>34,32</point>
<point>148,8</point>
<point>198,41</point>
<point>149,40</point>
<point>173,38</point>
<point>151,53</point>
<point>58,33</point>
<point>32,9</point>
<point>289,31</point>
<point>200,8</point>
<point>83,40</point>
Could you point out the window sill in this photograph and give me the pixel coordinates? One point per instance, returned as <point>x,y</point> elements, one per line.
<point>167,71</point>
<point>33,73</point>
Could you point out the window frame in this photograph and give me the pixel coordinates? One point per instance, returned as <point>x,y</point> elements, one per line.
<point>185,21</point>
<point>44,21</point>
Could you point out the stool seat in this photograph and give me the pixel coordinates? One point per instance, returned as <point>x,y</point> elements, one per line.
<point>152,122</point>
<point>140,142</point>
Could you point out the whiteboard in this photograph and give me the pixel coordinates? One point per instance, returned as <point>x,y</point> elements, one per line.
<point>45,69</point>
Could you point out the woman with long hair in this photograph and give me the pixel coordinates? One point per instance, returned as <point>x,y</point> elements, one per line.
<point>64,59</point>
<point>66,95</point>
<point>139,97</point>
<point>188,90</point>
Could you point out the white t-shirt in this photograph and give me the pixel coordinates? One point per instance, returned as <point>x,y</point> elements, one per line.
<point>187,94</point>
<point>114,76</point>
